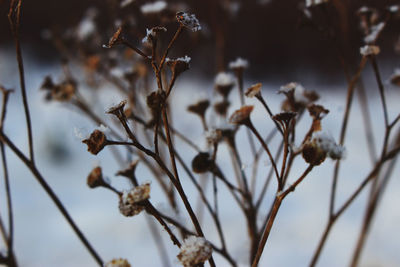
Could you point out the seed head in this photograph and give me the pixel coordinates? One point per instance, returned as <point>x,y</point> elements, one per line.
<point>95,178</point>
<point>254,90</point>
<point>194,250</point>
<point>202,163</point>
<point>200,107</point>
<point>189,21</point>
<point>178,65</point>
<point>241,116</point>
<point>118,109</point>
<point>96,142</point>
<point>222,107</point>
<point>131,202</point>
<point>224,83</point>
<point>118,263</point>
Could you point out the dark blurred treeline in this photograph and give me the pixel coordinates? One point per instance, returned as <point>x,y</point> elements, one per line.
<point>272,34</point>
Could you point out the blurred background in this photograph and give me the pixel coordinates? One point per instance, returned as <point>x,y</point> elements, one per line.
<point>281,44</point>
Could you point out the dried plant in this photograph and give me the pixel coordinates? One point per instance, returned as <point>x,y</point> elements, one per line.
<point>141,126</point>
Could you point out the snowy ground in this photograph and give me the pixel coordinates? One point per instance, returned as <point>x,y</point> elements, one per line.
<point>43,238</point>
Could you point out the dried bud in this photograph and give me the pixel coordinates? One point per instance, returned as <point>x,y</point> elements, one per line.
<point>202,163</point>
<point>154,101</point>
<point>241,116</point>
<point>189,21</point>
<point>131,202</point>
<point>117,263</point>
<point>95,178</point>
<point>224,83</point>
<point>254,90</point>
<point>115,39</point>
<point>200,107</point>
<point>222,107</point>
<point>313,154</point>
<point>128,172</point>
<point>194,250</point>
<point>96,142</point>
<point>178,65</point>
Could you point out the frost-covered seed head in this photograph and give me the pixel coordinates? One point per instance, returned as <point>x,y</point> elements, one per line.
<point>153,8</point>
<point>326,142</point>
<point>239,63</point>
<point>369,50</point>
<point>224,83</point>
<point>194,250</point>
<point>118,263</point>
<point>178,65</point>
<point>189,21</point>
<point>130,202</point>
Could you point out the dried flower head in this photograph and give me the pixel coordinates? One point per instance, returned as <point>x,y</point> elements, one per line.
<point>153,8</point>
<point>369,50</point>
<point>317,111</point>
<point>178,65</point>
<point>254,90</point>
<point>115,39</point>
<point>118,109</point>
<point>128,172</point>
<point>202,163</point>
<point>284,117</point>
<point>297,97</point>
<point>151,35</point>
<point>224,83</point>
<point>189,21</point>
<point>95,178</point>
<point>239,64</point>
<point>194,250</point>
<point>118,263</point>
<point>242,115</point>
<point>62,92</point>
<point>200,107</point>
<point>96,142</point>
<point>131,202</point>
<point>213,136</point>
<point>320,146</point>
<point>221,107</point>
<point>395,78</point>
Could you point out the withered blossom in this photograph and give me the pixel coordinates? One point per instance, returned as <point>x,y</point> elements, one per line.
<point>96,142</point>
<point>254,90</point>
<point>95,178</point>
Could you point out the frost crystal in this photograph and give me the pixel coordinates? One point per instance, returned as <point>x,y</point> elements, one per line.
<point>369,50</point>
<point>117,263</point>
<point>375,31</point>
<point>326,142</point>
<point>310,3</point>
<point>152,8</point>
<point>189,21</point>
<point>239,63</point>
<point>194,250</point>
<point>130,201</point>
<point>224,79</point>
